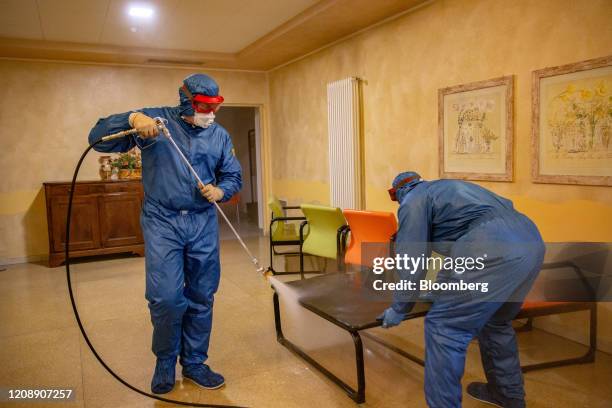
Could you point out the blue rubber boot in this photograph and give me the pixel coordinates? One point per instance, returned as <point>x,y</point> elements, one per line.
<point>164,376</point>
<point>203,376</point>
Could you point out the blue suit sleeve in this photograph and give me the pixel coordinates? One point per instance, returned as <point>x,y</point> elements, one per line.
<point>112,124</point>
<point>412,239</point>
<point>229,173</point>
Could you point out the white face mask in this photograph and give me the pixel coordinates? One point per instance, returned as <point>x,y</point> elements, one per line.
<point>203,120</point>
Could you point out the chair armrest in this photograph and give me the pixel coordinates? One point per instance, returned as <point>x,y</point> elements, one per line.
<point>341,237</point>
<point>288,219</point>
<point>273,220</point>
<point>302,226</point>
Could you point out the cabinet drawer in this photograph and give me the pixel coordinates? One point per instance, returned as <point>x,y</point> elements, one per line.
<point>96,189</point>
<point>64,190</point>
<point>134,187</point>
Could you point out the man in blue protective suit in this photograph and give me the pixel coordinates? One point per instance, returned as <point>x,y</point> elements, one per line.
<point>458,219</point>
<point>179,222</point>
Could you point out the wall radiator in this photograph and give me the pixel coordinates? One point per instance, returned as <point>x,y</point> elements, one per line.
<point>345,150</point>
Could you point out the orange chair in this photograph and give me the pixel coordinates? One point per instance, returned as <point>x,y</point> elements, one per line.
<point>368,227</point>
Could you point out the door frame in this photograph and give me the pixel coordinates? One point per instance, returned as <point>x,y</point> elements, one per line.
<point>262,157</point>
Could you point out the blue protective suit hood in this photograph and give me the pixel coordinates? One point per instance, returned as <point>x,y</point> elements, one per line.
<point>405,188</point>
<point>197,84</point>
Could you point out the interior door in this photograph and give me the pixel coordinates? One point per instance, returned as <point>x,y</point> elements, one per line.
<point>253,165</point>
<point>120,219</point>
<point>84,227</point>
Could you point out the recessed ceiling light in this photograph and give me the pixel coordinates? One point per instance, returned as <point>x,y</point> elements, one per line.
<point>140,11</point>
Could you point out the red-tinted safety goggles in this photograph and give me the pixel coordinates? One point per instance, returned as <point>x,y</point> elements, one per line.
<point>203,107</point>
<point>203,103</point>
<point>393,190</point>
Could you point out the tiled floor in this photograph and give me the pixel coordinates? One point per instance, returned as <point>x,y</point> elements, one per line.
<point>40,345</point>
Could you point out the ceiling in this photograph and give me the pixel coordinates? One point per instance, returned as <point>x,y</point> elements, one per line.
<point>238,34</point>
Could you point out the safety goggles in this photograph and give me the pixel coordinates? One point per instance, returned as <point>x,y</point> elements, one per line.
<point>203,103</point>
<point>203,107</point>
<point>393,190</point>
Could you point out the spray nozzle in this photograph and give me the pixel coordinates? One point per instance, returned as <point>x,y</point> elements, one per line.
<point>161,125</point>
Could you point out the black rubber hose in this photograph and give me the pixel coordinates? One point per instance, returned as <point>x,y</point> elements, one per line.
<point>78,318</point>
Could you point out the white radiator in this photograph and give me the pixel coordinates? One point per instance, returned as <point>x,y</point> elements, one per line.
<point>343,124</point>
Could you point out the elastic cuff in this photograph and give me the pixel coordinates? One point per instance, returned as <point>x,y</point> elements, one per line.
<point>402,307</point>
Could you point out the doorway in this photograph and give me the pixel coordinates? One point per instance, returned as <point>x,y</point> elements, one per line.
<point>245,209</point>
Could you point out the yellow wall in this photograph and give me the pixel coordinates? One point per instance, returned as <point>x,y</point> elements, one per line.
<point>46,112</point>
<point>404,63</point>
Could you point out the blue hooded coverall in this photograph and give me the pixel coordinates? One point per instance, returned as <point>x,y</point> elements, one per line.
<point>461,217</point>
<point>179,225</point>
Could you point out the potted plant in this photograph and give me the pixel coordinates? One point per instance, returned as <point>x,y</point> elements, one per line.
<point>125,162</point>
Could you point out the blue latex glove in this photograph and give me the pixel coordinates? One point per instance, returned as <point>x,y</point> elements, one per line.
<point>390,318</point>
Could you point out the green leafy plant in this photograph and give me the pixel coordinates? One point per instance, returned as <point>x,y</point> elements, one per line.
<point>125,161</point>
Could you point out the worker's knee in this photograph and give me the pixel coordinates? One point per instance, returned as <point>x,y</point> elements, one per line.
<point>203,299</point>
<point>444,334</point>
<point>167,303</point>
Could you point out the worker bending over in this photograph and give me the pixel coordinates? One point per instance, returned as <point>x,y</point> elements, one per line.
<point>179,222</point>
<point>459,219</point>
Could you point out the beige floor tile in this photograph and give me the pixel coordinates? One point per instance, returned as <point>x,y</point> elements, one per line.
<point>45,359</point>
<point>34,309</point>
<point>113,297</point>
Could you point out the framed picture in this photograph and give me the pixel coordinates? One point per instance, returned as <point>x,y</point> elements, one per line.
<point>475,125</point>
<point>571,123</point>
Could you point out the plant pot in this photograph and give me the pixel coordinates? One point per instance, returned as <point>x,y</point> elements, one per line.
<point>124,174</point>
<point>136,173</point>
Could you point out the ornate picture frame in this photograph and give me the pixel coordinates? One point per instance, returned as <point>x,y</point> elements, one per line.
<point>476,130</point>
<point>572,123</point>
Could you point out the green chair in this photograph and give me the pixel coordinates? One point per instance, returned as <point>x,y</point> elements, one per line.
<point>283,232</point>
<point>323,224</point>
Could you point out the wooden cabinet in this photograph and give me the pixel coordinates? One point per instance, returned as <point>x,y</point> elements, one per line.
<point>105,218</point>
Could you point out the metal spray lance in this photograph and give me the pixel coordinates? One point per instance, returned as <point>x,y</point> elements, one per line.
<point>161,125</point>
<point>166,132</point>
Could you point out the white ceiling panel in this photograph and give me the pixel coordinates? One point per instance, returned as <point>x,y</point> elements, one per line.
<point>73,20</point>
<point>125,30</point>
<point>234,34</point>
<point>199,25</point>
<point>19,19</point>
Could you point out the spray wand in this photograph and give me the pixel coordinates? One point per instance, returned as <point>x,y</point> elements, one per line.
<point>162,127</point>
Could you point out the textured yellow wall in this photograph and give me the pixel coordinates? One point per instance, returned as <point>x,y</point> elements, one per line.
<point>46,112</point>
<point>404,63</point>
